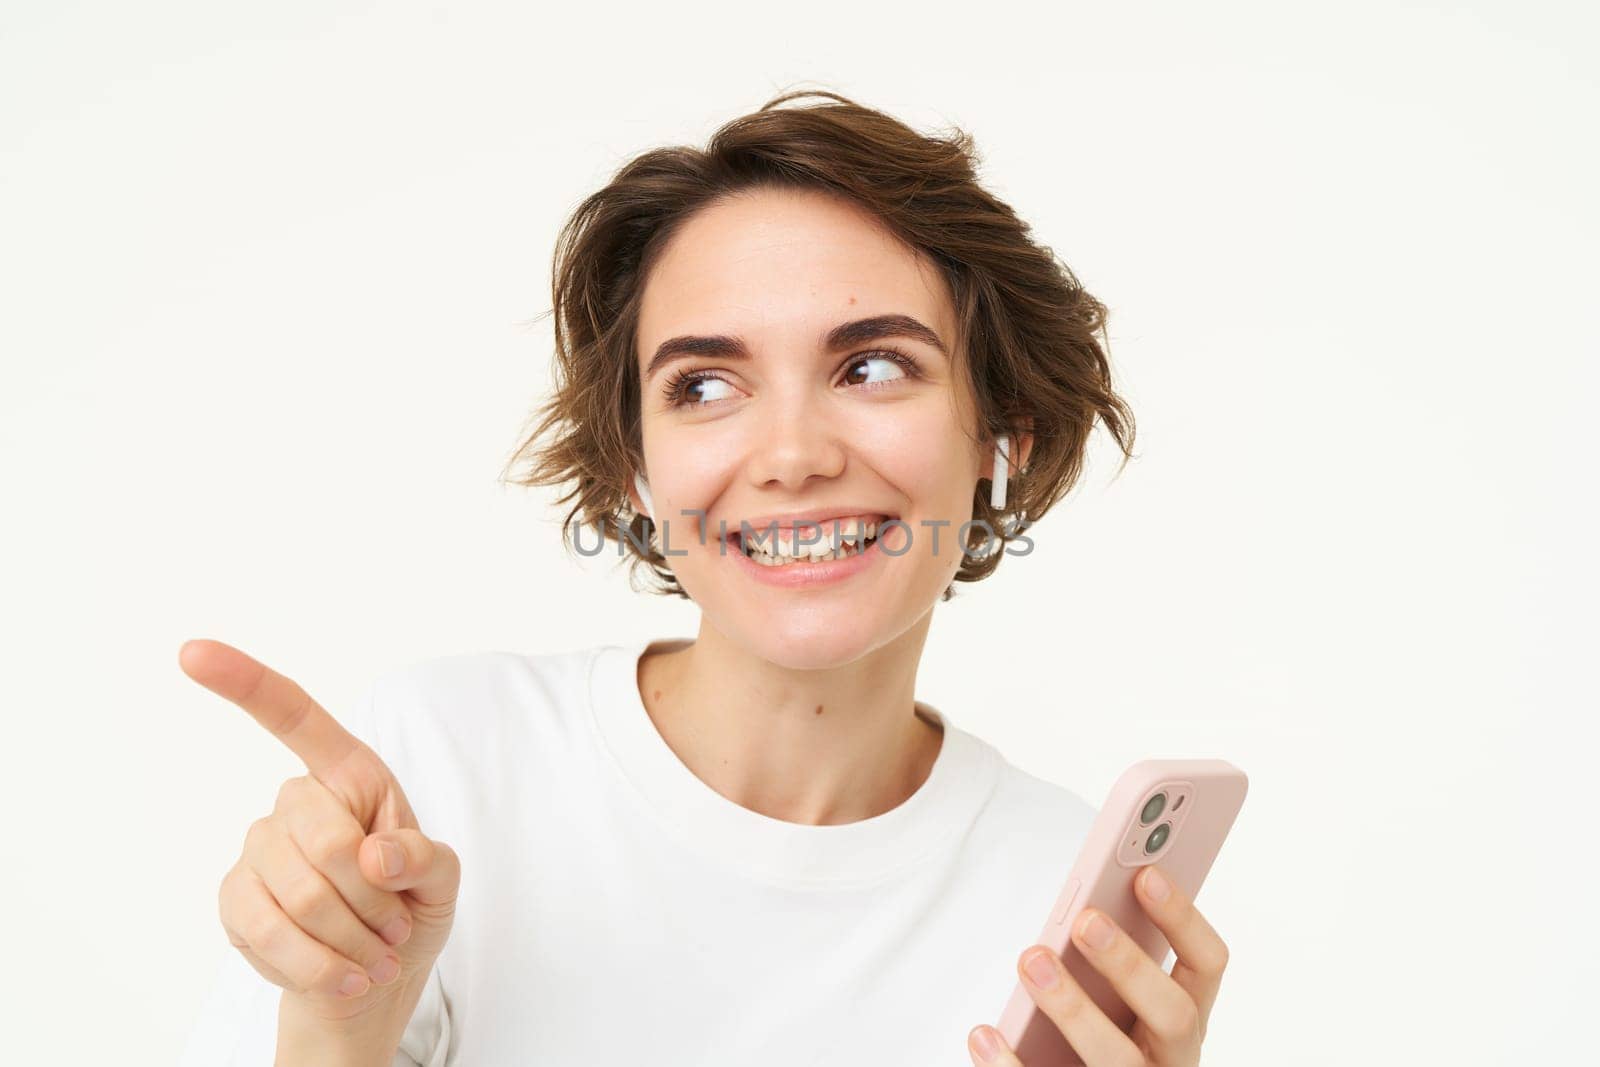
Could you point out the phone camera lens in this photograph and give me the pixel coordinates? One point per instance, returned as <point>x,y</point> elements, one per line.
<point>1158,837</point>
<point>1152,808</point>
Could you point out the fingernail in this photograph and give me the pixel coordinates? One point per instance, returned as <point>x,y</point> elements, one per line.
<point>1156,886</point>
<point>984,1040</point>
<point>355,983</point>
<point>1096,933</point>
<point>385,970</point>
<point>1040,969</point>
<point>391,860</point>
<point>396,930</point>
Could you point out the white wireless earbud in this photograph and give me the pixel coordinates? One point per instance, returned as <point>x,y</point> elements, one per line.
<point>1002,467</point>
<point>644,494</point>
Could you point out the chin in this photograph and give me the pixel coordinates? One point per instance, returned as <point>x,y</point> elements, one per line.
<point>813,643</point>
<point>818,630</point>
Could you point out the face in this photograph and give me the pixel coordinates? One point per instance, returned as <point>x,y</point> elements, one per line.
<point>774,413</point>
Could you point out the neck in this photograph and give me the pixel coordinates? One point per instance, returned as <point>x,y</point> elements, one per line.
<point>818,747</point>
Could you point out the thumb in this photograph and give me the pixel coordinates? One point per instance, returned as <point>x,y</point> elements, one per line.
<point>407,860</point>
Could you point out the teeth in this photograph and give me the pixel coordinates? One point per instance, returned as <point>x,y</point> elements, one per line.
<point>851,535</point>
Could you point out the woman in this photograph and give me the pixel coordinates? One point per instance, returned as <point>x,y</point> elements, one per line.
<point>756,845</point>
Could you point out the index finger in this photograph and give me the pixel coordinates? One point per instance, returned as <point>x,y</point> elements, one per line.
<point>273,700</point>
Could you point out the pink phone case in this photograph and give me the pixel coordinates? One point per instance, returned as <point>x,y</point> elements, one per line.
<point>1201,799</point>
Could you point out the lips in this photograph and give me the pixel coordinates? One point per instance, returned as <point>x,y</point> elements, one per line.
<point>814,517</point>
<point>792,536</point>
<point>809,574</point>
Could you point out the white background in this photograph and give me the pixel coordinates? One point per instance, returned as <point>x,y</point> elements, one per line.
<point>271,276</point>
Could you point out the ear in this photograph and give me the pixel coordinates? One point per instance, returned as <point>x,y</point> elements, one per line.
<point>1021,445</point>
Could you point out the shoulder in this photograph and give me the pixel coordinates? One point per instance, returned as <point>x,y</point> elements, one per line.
<point>1038,812</point>
<point>1022,846</point>
<point>1029,791</point>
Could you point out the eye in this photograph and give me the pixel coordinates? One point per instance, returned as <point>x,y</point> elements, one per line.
<point>703,388</point>
<point>678,389</point>
<point>897,364</point>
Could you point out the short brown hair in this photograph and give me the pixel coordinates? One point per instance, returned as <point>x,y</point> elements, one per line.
<point>1027,328</point>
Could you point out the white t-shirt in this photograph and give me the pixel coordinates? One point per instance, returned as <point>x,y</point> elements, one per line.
<point>615,909</point>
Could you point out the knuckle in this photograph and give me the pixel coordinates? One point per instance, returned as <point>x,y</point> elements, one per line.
<point>1184,1021</point>
<point>236,936</point>
<point>226,890</point>
<point>1219,961</point>
<point>327,845</point>
<point>1068,1005</point>
<point>287,792</point>
<point>1211,958</point>
<point>301,706</point>
<point>434,856</point>
<point>265,931</point>
<point>305,897</point>
<point>257,832</point>
<point>1122,959</point>
<point>327,972</point>
<point>420,851</point>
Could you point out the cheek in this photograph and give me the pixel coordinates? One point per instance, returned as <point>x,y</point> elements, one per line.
<point>687,471</point>
<point>927,457</point>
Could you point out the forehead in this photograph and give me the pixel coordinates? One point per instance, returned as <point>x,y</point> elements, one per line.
<point>784,266</point>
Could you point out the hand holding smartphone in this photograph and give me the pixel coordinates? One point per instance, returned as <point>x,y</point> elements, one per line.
<point>1172,812</point>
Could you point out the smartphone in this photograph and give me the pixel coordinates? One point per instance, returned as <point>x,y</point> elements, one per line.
<point>1172,812</point>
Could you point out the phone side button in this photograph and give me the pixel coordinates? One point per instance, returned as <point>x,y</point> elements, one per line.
<point>1068,895</point>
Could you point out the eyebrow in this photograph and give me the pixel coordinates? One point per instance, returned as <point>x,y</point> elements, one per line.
<point>845,335</point>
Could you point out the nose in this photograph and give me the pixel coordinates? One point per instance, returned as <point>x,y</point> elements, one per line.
<point>795,441</point>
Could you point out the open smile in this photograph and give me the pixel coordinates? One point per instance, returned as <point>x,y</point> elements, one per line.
<point>807,555</point>
<point>807,543</point>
